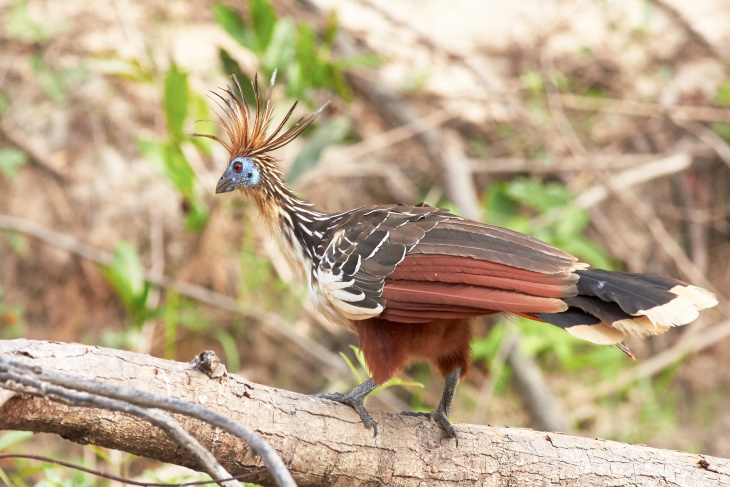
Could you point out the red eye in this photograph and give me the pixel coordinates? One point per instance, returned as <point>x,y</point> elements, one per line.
<point>237,167</point>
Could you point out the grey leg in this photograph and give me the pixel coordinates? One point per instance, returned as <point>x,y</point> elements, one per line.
<point>354,399</point>
<point>441,415</point>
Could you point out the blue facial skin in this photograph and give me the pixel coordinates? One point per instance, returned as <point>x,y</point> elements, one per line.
<point>240,172</point>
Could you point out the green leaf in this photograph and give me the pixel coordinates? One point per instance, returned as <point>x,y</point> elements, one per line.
<point>487,347</point>
<point>360,358</point>
<point>571,223</point>
<point>178,170</point>
<point>331,28</point>
<point>360,61</point>
<point>18,242</point>
<point>395,381</point>
<point>231,66</point>
<point>127,69</point>
<point>199,106</point>
<point>306,55</point>
<point>50,81</point>
<point>126,275</point>
<point>10,161</point>
<point>233,24</point>
<point>351,366</point>
<point>587,251</point>
<point>233,358</point>
<point>21,26</point>
<point>176,100</point>
<point>336,79</point>
<point>263,18</point>
<point>722,129</point>
<point>280,51</point>
<point>4,102</point>
<point>197,216</point>
<point>498,202</point>
<point>153,151</point>
<point>538,196</point>
<point>171,162</point>
<point>722,97</point>
<point>532,81</point>
<point>327,133</point>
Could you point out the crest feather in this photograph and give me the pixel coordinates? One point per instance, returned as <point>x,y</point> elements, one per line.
<point>247,137</point>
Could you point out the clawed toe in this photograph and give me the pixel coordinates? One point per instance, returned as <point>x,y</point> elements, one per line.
<point>332,396</point>
<point>354,399</point>
<point>438,417</point>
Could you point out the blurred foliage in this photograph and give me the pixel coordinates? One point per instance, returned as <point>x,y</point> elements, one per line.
<point>55,82</point>
<point>544,210</point>
<point>126,275</point>
<point>301,60</point>
<point>722,98</point>
<point>20,25</point>
<point>179,103</point>
<point>326,133</point>
<point>10,161</point>
<point>289,47</point>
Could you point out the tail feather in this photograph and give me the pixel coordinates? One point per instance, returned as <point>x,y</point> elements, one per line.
<point>700,298</point>
<point>665,302</point>
<point>611,306</point>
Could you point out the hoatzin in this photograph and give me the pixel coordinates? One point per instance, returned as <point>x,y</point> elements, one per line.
<point>408,279</point>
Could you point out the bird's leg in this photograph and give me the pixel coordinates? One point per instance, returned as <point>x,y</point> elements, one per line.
<point>354,399</point>
<point>441,414</point>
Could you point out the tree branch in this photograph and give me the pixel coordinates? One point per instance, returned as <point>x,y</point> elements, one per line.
<point>323,443</point>
<point>79,392</point>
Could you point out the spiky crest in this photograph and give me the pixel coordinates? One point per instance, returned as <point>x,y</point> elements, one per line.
<point>249,139</point>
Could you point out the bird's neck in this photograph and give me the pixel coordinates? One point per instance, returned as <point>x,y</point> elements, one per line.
<point>295,223</point>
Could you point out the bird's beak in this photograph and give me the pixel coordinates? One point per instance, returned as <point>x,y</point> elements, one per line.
<point>225,184</point>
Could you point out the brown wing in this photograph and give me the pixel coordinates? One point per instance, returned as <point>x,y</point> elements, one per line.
<point>478,269</point>
<point>418,264</point>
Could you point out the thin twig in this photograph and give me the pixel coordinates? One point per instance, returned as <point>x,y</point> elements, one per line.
<point>537,166</point>
<point>631,177</point>
<point>708,137</point>
<point>144,399</point>
<point>642,109</point>
<point>16,377</point>
<point>125,480</point>
<point>396,135</point>
<point>34,156</point>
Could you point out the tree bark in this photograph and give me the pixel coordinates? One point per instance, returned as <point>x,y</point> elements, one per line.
<point>324,443</point>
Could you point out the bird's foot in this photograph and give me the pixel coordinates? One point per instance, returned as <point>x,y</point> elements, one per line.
<point>439,417</point>
<point>355,401</point>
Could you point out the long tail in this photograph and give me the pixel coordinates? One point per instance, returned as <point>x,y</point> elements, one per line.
<point>613,305</point>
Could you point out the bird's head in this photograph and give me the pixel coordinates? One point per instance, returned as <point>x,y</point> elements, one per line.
<point>250,167</point>
<point>242,172</point>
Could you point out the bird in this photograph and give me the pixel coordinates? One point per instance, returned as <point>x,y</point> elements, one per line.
<point>408,280</point>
